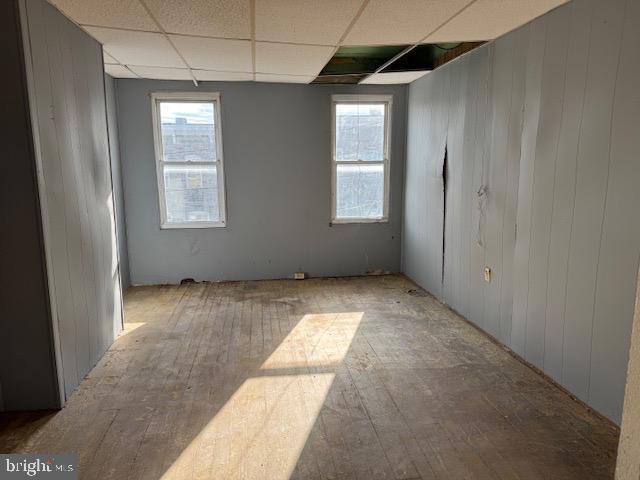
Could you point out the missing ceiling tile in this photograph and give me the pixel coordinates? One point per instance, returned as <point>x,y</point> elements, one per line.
<point>363,64</point>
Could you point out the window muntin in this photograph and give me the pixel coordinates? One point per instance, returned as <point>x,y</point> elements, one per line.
<point>360,158</point>
<point>188,144</point>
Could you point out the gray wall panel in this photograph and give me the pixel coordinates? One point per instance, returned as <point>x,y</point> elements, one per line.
<point>67,89</point>
<point>501,78</point>
<point>613,309</point>
<point>550,128</point>
<point>551,89</point>
<point>474,165</point>
<point>413,233</point>
<point>454,226</point>
<point>518,41</point>
<point>531,115</point>
<point>468,302</point>
<point>591,188</point>
<point>433,125</point>
<point>579,28</point>
<point>437,119</point>
<point>277,154</point>
<point>116,176</point>
<point>28,376</point>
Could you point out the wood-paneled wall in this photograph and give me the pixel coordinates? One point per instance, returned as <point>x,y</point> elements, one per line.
<point>542,135</point>
<point>116,180</point>
<point>27,366</point>
<point>66,86</point>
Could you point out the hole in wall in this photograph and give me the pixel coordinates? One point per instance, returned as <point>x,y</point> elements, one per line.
<point>445,174</point>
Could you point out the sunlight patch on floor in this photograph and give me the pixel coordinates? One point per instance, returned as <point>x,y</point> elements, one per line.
<point>261,431</point>
<point>130,327</point>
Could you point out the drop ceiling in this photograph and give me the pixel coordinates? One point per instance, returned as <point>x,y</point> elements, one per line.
<point>280,40</point>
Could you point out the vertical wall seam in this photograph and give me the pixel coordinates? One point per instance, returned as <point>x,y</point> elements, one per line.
<point>575,183</point>
<point>506,193</point>
<point>606,197</point>
<point>522,122</point>
<point>64,210</point>
<point>485,154</point>
<point>470,232</point>
<point>405,140</point>
<point>533,185</point>
<point>26,46</point>
<point>123,206</point>
<point>83,195</point>
<point>73,295</point>
<point>553,194</point>
<point>115,219</point>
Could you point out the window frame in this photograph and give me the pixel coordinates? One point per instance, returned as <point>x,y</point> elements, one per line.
<point>186,97</point>
<point>387,100</point>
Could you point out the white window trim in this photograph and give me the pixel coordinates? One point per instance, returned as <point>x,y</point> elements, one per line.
<point>213,97</point>
<point>388,100</point>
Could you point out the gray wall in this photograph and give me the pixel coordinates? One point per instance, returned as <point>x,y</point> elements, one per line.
<point>66,85</point>
<point>116,178</point>
<point>28,378</point>
<point>547,119</point>
<point>277,151</point>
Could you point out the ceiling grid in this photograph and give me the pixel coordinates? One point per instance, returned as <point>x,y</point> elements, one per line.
<point>350,27</point>
<point>144,5</point>
<point>280,40</point>
<point>408,49</point>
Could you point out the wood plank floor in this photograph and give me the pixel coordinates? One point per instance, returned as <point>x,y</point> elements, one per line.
<point>359,378</point>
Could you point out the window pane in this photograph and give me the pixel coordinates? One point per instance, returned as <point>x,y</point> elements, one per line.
<point>359,131</point>
<point>359,191</point>
<point>188,132</point>
<point>191,194</point>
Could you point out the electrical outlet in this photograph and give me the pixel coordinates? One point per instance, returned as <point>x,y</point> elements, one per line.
<point>487,274</point>
<point>299,275</point>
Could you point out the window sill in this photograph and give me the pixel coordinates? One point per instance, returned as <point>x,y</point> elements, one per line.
<point>347,221</point>
<point>184,226</point>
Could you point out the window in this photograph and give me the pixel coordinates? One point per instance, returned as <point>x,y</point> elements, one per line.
<point>360,158</point>
<point>188,145</point>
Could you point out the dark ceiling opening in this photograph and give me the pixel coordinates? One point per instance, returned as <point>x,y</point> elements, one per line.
<point>353,64</point>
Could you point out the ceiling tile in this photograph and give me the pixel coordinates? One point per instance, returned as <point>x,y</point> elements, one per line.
<point>211,76</point>
<point>107,13</point>
<point>291,59</point>
<point>137,48</point>
<point>389,22</point>
<point>394,77</point>
<point>215,53</point>
<point>272,77</point>
<point>160,73</point>
<point>211,18</point>
<point>108,58</point>
<point>304,21</point>
<point>488,19</point>
<point>118,71</point>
